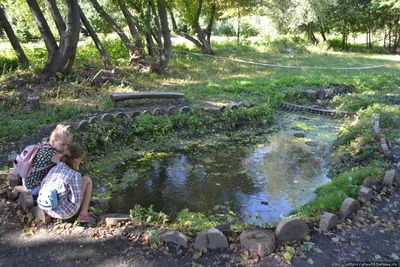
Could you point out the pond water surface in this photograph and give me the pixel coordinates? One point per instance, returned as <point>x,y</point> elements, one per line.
<point>272,178</point>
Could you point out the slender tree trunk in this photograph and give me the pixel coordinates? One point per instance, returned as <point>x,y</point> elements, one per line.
<point>205,45</point>
<point>181,33</point>
<point>55,13</point>
<point>311,37</point>
<point>95,38</point>
<point>13,39</point>
<point>166,53</point>
<point>238,27</point>
<point>322,31</point>
<point>149,38</point>
<point>44,28</point>
<point>63,59</point>
<point>158,33</point>
<point>211,21</point>
<point>117,29</point>
<point>384,38</point>
<point>132,27</point>
<point>369,39</point>
<point>343,41</point>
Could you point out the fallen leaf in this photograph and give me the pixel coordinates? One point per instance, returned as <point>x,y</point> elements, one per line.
<point>394,257</point>
<point>287,256</point>
<point>310,261</point>
<point>335,239</point>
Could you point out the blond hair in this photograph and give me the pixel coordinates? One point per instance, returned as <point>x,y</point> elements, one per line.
<point>60,130</point>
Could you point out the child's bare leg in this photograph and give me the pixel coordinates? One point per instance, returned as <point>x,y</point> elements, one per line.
<point>87,193</point>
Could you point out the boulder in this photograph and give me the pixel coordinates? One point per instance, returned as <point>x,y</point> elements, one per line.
<point>349,206</point>
<point>260,241</point>
<point>25,200</point>
<point>291,229</point>
<point>386,151</point>
<point>371,181</point>
<point>365,194</point>
<point>13,178</point>
<point>388,180</point>
<point>328,221</point>
<point>114,218</point>
<point>176,238</point>
<point>211,239</point>
<point>40,215</point>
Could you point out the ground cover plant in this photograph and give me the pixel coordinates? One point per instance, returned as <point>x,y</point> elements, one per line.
<point>216,80</point>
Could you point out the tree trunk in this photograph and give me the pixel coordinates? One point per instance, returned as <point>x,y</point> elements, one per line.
<point>311,37</point>
<point>132,27</point>
<point>369,39</point>
<point>166,53</point>
<point>158,33</point>
<point>211,21</point>
<point>205,44</point>
<point>322,31</point>
<point>384,38</point>
<point>343,41</point>
<point>63,59</point>
<point>117,29</point>
<point>13,39</point>
<point>44,28</point>
<point>180,33</point>
<point>149,38</point>
<point>95,38</point>
<point>55,13</point>
<point>238,26</point>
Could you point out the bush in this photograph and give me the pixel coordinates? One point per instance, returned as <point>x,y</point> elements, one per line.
<point>247,29</point>
<point>290,45</point>
<point>224,28</point>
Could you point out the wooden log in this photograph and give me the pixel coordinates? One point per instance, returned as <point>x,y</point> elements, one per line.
<point>33,103</point>
<point>94,119</point>
<point>120,104</point>
<point>115,97</point>
<point>172,110</point>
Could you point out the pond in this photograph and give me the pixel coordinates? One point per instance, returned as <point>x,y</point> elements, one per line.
<point>271,178</point>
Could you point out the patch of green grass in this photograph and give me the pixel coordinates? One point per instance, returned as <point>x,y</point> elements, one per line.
<point>331,195</point>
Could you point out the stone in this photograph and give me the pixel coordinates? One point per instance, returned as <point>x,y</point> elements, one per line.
<point>312,143</point>
<point>94,119</point>
<point>371,181</point>
<point>299,135</point>
<point>145,111</point>
<point>349,206</point>
<point>291,229</point>
<point>396,152</point>
<point>388,180</point>
<point>12,157</point>
<point>107,117</point>
<point>33,103</point>
<point>40,215</point>
<point>328,221</point>
<point>185,109</point>
<point>175,238</point>
<point>377,130</point>
<point>321,94</point>
<point>386,151</point>
<point>158,112</point>
<point>172,110</point>
<point>224,228</point>
<point>114,218</point>
<point>260,241</point>
<point>25,200</point>
<point>82,125</point>
<point>120,104</point>
<point>365,194</point>
<point>211,239</point>
<point>13,178</point>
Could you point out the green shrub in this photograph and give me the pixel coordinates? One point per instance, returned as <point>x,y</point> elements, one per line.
<point>224,28</point>
<point>247,29</point>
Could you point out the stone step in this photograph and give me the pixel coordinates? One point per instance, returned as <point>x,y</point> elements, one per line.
<point>13,178</point>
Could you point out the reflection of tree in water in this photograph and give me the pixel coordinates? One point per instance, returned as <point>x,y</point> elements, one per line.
<point>284,165</point>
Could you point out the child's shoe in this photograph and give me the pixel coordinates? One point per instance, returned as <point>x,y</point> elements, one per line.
<point>86,218</point>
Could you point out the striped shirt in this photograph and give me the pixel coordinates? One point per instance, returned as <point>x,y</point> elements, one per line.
<point>68,184</point>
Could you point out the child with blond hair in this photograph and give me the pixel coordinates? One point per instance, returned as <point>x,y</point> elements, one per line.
<point>47,156</point>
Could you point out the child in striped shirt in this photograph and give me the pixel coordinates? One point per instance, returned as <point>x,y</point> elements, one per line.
<point>73,190</point>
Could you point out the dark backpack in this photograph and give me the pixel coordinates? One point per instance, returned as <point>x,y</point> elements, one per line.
<point>24,162</point>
